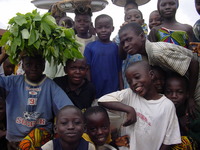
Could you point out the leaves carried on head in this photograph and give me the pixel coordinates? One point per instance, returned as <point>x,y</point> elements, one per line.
<point>35,34</point>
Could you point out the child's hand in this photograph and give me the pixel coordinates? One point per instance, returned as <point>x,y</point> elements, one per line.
<point>131,117</point>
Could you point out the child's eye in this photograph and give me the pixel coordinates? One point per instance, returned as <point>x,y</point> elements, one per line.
<point>129,39</point>
<point>93,129</point>
<point>105,127</point>
<point>64,123</point>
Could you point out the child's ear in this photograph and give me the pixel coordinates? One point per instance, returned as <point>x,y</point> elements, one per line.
<point>84,128</point>
<point>55,129</point>
<point>152,75</point>
<point>113,28</point>
<point>142,21</point>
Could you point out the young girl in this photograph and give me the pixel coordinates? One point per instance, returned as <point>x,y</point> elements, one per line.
<point>171,30</point>
<point>69,127</point>
<point>98,127</point>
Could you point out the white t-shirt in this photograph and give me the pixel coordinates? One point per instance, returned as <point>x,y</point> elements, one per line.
<point>156,124</point>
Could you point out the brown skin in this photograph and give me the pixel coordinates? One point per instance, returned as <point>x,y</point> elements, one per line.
<point>134,15</point>
<point>70,127</point>
<point>132,43</point>
<point>76,71</point>
<point>197,6</point>
<point>98,128</point>
<point>33,68</point>
<point>154,19</point>
<point>82,25</point>
<point>104,27</point>
<point>131,114</point>
<point>167,10</point>
<point>8,67</point>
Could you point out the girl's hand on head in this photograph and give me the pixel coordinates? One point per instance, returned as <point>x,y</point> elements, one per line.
<point>131,117</point>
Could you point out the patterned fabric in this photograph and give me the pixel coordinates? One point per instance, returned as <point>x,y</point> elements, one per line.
<point>173,36</point>
<point>172,57</point>
<point>187,144</point>
<point>35,139</point>
<point>87,138</point>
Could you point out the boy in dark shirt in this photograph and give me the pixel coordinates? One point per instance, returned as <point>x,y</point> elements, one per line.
<point>76,86</point>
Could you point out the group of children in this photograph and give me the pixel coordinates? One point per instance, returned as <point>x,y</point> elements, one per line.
<point>151,88</point>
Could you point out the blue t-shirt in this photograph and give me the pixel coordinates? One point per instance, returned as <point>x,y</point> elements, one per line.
<point>30,105</point>
<point>105,65</point>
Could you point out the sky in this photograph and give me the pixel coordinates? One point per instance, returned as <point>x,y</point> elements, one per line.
<point>186,12</point>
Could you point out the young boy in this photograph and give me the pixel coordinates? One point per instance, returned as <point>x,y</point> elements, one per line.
<point>131,15</point>
<point>82,25</point>
<point>154,19</point>
<point>97,127</point>
<point>103,59</point>
<point>31,103</point>
<point>166,55</point>
<point>69,127</point>
<point>176,89</point>
<point>157,124</point>
<point>76,86</point>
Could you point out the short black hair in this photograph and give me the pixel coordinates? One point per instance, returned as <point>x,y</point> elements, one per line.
<point>132,26</point>
<point>128,2</point>
<point>95,110</point>
<point>70,107</point>
<point>141,62</point>
<point>103,16</point>
<point>178,76</point>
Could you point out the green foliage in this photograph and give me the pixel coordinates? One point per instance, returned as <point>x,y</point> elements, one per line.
<point>35,34</point>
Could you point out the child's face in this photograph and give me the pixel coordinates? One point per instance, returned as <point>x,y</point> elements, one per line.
<point>134,15</point>
<point>131,42</point>
<point>8,68</point>
<point>139,80</point>
<point>76,71</point>
<point>33,68</point>
<point>197,5</point>
<point>159,81</point>
<point>104,28</point>
<point>70,125</point>
<point>176,91</point>
<point>154,20</point>
<point>98,128</point>
<point>167,8</point>
<point>82,24</point>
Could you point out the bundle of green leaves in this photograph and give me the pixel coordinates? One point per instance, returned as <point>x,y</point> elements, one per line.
<point>33,34</point>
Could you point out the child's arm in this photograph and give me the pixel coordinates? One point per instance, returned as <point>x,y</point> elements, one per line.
<point>122,53</point>
<point>193,78</point>
<point>118,106</point>
<point>3,56</point>
<point>164,147</point>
